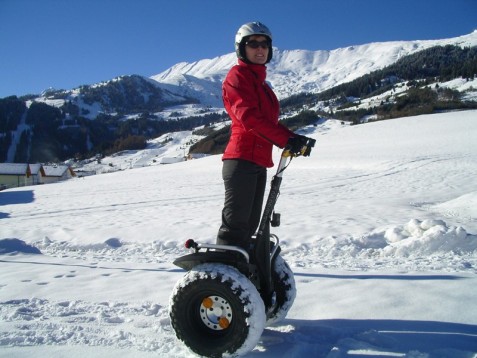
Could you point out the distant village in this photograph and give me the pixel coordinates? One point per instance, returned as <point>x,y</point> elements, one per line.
<point>14,175</point>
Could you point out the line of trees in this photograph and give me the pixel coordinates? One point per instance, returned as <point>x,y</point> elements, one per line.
<point>441,63</point>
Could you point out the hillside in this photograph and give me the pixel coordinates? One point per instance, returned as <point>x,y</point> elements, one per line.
<point>123,113</point>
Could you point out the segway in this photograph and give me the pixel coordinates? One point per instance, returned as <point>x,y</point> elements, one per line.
<point>229,294</point>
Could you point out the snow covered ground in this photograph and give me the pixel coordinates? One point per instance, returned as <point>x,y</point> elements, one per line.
<point>379,226</point>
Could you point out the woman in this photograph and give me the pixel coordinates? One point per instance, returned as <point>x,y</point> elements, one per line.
<point>254,110</point>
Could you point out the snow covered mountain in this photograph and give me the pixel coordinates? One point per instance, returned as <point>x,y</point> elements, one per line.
<point>193,91</point>
<point>290,72</point>
<point>294,71</point>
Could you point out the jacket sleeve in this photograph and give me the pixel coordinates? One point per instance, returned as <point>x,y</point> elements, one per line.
<point>241,97</point>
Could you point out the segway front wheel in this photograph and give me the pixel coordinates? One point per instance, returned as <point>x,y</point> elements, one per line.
<point>285,291</point>
<point>216,310</point>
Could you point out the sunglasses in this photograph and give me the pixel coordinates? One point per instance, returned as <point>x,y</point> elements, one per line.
<point>256,44</point>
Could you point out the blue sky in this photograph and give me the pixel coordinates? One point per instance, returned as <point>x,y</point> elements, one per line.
<point>65,43</point>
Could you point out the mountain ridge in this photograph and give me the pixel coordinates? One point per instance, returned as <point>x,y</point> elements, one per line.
<point>97,118</point>
<point>294,71</point>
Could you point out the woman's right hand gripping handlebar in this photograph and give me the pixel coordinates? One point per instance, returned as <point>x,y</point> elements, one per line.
<point>300,145</point>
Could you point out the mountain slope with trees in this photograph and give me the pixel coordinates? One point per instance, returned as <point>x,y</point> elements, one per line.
<point>422,72</point>
<point>125,112</point>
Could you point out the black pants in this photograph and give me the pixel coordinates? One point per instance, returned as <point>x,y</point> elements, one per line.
<point>244,183</point>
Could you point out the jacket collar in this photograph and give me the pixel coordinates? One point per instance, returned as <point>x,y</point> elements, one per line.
<point>260,71</point>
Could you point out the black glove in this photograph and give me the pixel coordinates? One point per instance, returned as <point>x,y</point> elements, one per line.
<point>295,144</point>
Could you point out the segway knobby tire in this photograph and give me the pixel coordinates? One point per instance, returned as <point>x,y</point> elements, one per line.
<point>216,310</point>
<point>285,291</point>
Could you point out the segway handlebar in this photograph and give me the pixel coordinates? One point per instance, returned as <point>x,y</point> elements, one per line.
<point>305,149</point>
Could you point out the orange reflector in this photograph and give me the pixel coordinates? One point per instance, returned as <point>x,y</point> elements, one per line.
<point>207,302</point>
<point>224,322</point>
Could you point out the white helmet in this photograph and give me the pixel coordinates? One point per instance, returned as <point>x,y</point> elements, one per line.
<point>247,30</point>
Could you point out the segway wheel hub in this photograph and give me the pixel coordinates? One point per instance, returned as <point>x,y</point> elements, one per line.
<point>215,313</point>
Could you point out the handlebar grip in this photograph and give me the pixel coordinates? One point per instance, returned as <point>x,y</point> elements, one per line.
<point>310,143</point>
<point>305,149</point>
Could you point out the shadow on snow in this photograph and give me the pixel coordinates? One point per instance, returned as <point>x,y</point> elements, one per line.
<point>411,277</point>
<point>368,338</point>
<point>15,197</point>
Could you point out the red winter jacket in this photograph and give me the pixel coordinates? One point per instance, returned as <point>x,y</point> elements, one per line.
<point>254,110</point>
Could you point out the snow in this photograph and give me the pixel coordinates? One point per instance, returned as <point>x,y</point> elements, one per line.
<point>378,224</point>
<point>468,86</point>
<point>171,147</point>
